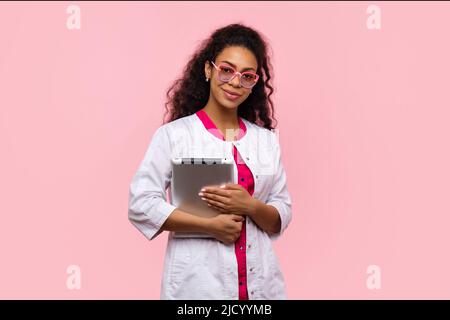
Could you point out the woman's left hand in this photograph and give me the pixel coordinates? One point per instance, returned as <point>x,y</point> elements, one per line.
<point>228,198</point>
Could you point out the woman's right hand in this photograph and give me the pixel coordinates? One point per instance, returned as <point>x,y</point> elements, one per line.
<point>226,227</point>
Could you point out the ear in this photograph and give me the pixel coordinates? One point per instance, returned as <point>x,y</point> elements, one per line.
<point>207,70</point>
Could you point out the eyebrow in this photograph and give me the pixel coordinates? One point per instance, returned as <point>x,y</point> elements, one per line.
<point>234,66</point>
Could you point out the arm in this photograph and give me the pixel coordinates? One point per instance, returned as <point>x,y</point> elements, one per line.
<point>232,198</point>
<point>275,215</point>
<point>147,205</point>
<point>265,216</point>
<point>224,227</point>
<point>148,209</point>
<point>180,220</point>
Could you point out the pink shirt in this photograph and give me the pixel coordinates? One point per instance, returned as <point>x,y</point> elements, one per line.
<point>245,179</point>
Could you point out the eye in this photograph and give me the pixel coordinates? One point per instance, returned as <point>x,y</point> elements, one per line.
<point>249,76</point>
<point>228,70</point>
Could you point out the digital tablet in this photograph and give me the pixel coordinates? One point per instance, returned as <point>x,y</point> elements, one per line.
<point>189,176</point>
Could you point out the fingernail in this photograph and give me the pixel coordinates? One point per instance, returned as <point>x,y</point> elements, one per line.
<point>222,186</point>
<point>200,193</point>
<point>203,189</point>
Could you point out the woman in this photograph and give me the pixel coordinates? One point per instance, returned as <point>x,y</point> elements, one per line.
<point>219,108</point>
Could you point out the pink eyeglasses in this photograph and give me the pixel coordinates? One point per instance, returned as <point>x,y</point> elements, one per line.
<point>227,73</point>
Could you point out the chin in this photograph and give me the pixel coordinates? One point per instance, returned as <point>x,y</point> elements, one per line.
<point>229,107</point>
<point>230,104</point>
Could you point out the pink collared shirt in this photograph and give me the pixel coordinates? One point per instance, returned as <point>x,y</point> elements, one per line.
<point>245,179</point>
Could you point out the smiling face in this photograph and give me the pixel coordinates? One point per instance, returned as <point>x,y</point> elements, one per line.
<point>230,94</point>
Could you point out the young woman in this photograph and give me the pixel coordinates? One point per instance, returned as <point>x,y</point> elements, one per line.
<point>219,108</point>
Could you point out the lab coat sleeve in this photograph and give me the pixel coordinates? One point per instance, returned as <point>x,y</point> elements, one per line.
<point>147,205</point>
<point>279,196</point>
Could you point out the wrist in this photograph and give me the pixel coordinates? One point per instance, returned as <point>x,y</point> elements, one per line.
<point>207,225</point>
<point>253,206</point>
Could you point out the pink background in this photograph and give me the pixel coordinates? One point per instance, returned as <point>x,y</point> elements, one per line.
<point>363,119</point>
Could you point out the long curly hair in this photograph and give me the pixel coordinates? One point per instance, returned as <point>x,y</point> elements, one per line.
<point>190,93</point>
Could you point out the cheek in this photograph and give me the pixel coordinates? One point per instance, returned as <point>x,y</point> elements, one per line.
<point>216,90</point>
<point>218,93</point>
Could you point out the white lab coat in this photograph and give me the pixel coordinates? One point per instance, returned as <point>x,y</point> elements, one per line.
<point>198,268</point>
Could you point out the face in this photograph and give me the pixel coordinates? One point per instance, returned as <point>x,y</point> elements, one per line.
<point>240,59</point>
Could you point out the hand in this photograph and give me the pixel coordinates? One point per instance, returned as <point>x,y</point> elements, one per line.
<point>226,227</point>
<point>229,198</point>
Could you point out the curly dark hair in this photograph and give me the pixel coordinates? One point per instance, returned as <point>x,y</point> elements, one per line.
<point>190,93</point>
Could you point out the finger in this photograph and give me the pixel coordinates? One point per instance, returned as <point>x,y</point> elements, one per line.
<point>213,186</point>
<point>215,190</point>
<point>216,203</point>
<point>233,186</point>
<point>237,218</point>
<point>217,208</point>
<point>215,197</point>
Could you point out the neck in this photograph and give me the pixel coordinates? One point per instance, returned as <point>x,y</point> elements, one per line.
<point>222,117</point>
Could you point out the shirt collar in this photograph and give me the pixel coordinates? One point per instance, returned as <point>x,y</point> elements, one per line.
<point>212,128</point>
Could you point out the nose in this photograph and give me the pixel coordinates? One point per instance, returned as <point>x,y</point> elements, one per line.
<point>236,81</point>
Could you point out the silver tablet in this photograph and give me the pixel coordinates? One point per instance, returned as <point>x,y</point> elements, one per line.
<point>189,175</point>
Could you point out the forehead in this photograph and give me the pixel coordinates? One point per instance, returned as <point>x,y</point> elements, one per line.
<point>241,57</point>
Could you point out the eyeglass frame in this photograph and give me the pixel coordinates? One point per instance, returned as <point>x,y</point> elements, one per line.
<point>237,73</point>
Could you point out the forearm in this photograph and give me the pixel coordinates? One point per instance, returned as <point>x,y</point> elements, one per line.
<point>182,221</point>
<point>265,216</point>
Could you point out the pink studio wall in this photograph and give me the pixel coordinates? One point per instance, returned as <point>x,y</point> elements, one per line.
<point>363,122</point>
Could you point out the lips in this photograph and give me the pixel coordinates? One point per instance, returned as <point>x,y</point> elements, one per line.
<point>234,94</point>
